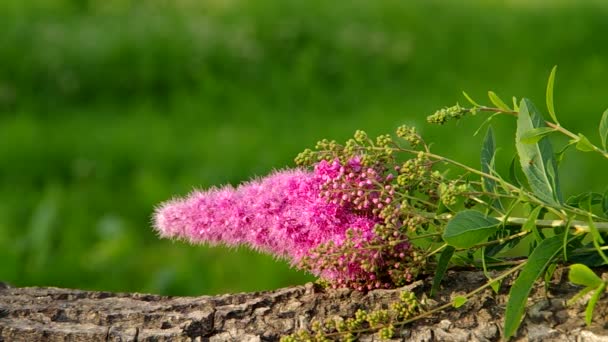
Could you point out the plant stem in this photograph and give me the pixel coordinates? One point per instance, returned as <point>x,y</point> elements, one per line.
<point>578,226</point>
<point>556,127</point>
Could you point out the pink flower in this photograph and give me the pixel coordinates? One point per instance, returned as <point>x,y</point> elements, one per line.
<point>283,214</point>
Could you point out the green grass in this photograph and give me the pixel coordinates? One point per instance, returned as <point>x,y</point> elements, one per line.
<point>107,110</point>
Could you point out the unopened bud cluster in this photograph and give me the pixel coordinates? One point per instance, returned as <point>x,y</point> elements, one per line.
<point>443,115</point>
<point>340,329</point>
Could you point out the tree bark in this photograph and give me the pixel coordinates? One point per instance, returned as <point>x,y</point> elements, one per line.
<point>53,314</point>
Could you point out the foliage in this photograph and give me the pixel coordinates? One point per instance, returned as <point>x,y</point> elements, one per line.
<point>460,212</point>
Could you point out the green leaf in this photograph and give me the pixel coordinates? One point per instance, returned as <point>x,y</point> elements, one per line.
<point>605,203</point>
<point>497,101</point>
<point>530,225</point>
<point>513,178</point>
<point>591,305</point>
<point>603,128</point>
<point>597,239</point>
<point>582,275</point>
<point>459,301</point>
<point>442,266</point>
<point>515,106</point>
<point>583,144</point>
<point>538,261</point>
<point>585,200</point>
<point>468,228</point>
<point>470,99</point>
<point>537,160</point>
<point>495,285</point>
<point>550,106</point>
<point>488,150</point>
<point>534,135</point>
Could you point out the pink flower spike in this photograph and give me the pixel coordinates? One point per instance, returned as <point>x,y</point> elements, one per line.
<point>282,214</point>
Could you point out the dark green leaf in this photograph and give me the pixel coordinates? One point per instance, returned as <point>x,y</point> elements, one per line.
<point>534,135</point>
<point>538,261</point>
<point>470,99</point>
<point>550,106</point>
<point>442,266</point>
<point>497,101</point>
<point>559,156</point>
<point>582,275</point>
<point>603,128</point>
<point>513,178</point>
<point>459,301</point>
<point>468,228</point>
<point>585,200</point>
<point>583,144</point>
<point>591,305</point>
<point>537,160</point>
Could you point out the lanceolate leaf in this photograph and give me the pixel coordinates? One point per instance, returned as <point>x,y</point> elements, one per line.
<point>538,261</point>
<point>470,99</point>
<point>537,160</point>
<point>487,159</point>
<point>468,228</point>
<point>591,305</point>
<point>550,106</point>
<point>534,135</point>
<point>582,275</point>
<point>530,224</point>
<point>442,266</point>
<point>604,129</point>
<point>583,144</point>
<point>497,101</point>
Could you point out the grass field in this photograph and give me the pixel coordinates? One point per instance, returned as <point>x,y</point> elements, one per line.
<point>108,108</point>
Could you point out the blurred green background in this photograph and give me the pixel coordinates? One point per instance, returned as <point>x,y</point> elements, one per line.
<point>108,108</point>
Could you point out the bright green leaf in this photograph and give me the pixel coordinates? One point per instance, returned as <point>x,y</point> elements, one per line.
<point>550,106</point>
<point>537,160</point>
<point>515,105</point>
<point>470,99</point>
<point>468,228</point>
<point>537,262</point>
<point>603,128</point>
<point>592,301</point>
<point>459,301</point>
<point>534,135</point>
<point>497,101</point>
<point>442,266</point>
<point>530,225</point>
<point>583,144</point>
<point>582,275</point>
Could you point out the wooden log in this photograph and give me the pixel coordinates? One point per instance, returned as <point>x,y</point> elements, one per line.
<point>54,314</point>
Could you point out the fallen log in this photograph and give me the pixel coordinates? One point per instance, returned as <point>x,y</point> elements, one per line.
<point>54,314</point>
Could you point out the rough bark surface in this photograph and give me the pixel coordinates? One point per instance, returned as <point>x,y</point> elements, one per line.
<point>53,314</point>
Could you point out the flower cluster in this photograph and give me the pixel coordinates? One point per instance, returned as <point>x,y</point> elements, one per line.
<point>365,190</point>
<point>340,218</point>
<point>282,214</point>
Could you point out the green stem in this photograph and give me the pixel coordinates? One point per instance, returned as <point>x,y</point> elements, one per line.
<point>468,295</point>
<point>556,127</point>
